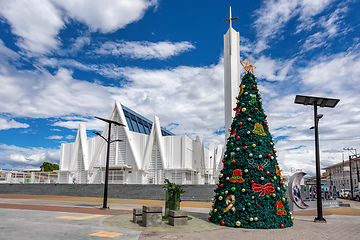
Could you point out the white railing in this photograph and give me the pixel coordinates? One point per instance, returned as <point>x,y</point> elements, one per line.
<point>28,177</point>
<point>186,177</point>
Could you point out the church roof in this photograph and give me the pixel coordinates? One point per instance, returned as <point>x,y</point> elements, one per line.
<point>140,124</point>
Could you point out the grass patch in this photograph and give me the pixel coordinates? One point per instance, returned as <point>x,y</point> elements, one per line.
<point>166,218</point>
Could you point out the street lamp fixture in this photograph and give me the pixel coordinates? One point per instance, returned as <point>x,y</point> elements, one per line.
<point>321,102</point>
<point>108,140</point>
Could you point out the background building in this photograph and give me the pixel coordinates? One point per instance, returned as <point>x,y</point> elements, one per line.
<point>339,174</point>
<point>147,154</point>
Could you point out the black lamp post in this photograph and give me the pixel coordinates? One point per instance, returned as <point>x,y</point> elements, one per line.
<point>321,102</point>
<point>107,156</point>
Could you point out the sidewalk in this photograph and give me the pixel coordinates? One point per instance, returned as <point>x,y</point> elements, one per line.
<point>342,223</point>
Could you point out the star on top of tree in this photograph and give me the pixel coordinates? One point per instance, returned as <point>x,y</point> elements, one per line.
<point>247,66</point>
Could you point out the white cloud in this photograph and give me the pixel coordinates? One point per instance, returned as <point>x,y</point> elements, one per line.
<point>6,124</point>
<point>70,137</point>
<point>337,74</point>
<point>19,157</point>
<point>36,22</point>
<point>144,49</point>
<point>330,27</point>
<point>79,43</point>
<point>7,53</point>
<point>91,124</point>
<point>273,69</point>
<point>106,15</point>
<point>41,94</point>
<point>273,16</point>
<point>55,137</point>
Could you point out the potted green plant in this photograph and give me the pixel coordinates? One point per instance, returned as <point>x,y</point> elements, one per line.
<point>172,198</point>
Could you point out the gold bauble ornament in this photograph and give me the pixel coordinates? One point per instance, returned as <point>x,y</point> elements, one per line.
<point>283,199</point>
<point>274,195</point>
<point>255,218</point>
<point>238,223</point>
<point>215,210</point>
<point>274,177</point>
<point>254,145</point>
<point>244,109</point>
<point>212,200</point>
<point>292,218</point>
<point>243,190</point>
<point>221,175</point>
<point>246,171</point>
<point>252,197</point>
<point>260,100</point>
<point>217,183</point>
<point>220,198</point>
<point>251,219</point>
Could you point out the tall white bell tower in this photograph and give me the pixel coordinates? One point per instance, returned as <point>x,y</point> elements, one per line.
<point>231,73</point>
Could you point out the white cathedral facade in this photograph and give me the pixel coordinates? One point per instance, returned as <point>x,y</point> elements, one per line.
<point>149,153</point>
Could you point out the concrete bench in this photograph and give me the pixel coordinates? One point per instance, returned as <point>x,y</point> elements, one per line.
<point>151,216</point>
<point>137,215</point>
<point>178,217</point>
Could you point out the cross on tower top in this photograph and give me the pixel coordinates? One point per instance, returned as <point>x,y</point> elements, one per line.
<point>230,18</point>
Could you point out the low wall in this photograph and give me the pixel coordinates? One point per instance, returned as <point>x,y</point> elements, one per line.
<point>202,193</point>
<point>313,205</point>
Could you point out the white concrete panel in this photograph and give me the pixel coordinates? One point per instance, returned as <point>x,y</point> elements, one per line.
<point>231,75</point>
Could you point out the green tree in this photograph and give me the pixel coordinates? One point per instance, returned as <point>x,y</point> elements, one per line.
<point>250,192</point>
<point>49,167</point>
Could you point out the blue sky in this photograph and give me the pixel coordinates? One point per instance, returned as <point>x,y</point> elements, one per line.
<point>62,62</point>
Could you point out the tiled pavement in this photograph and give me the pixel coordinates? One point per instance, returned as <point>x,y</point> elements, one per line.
<point>54,217</point>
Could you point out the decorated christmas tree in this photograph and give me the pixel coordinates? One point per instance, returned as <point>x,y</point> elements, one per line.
<point>250,192</point>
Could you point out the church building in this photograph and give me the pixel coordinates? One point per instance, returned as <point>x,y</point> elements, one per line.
<point>148,153</point>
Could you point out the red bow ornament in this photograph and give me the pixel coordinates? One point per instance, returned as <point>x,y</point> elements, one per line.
<point>263,189</point>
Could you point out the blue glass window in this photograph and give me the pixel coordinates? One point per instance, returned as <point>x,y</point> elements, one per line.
<point>140,124</point>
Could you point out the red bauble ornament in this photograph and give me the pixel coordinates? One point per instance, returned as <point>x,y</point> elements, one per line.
<point>238,137</point>
<point>233,161</point>
<point>223,223</point>
<point>245,147</point>
<point>209,218</point>
<point>260,168</point>
<point>280,182</point>
<point>221,185</point>
<point>240,123</point>
<point>267,172</point>
<point>282,225</point>
<point>256,109</point>
<point>257,205</point>
<point>253,86</point>
<point>252,181</point>
<point>223,160</point>
<point>265,116</point>
<point>265,122</point>
<point>275,151</point>
<point>269,155</point>
<point>234,109</point>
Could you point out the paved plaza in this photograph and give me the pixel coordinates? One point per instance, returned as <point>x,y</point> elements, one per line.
<point>52,217</point>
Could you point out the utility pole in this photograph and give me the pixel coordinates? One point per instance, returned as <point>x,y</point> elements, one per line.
<point>350,157</point>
